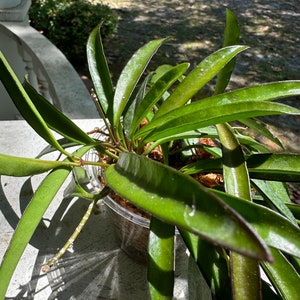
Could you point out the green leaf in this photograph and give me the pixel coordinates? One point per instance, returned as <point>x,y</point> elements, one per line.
<point>24,103</point>
<point>131,113</point>
<point>276,230</point>
<point>161,260</point>
<point>245,277</point>
<point>156,92</point>
<point>55,119</point>
<point>21,166</point>
<point>261,128</point>
<point>269,166</point>
<point>211,263</point>
<point>244,270</point>
<point>196,115</point>
<point>99,71</point>
<point>277,194</point>
<point>295,209</point>
<point>235,172</point>
<point>198,77</point>
<point>178,199</point>
<point>283,276</point>
<point>30,220</point>
<point>231,37</point>
<point>130,77</point>
<point>223,108</point>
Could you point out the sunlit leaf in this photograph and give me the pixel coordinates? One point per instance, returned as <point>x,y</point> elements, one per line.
<point>243,103</point>
<point>21,166</point>
<point>130,76</point>
<point>161,260</point>
<point>99,71</point>
<point>198,77</point>
<point>277,194</point>
<point>188,203</point>
<point>55,119</point>
<point>283,276</point>
<point>30,220</point>
<point>156,92</point>
<point>276,230</point>
<point>213,266</point>
<point>24,104</point>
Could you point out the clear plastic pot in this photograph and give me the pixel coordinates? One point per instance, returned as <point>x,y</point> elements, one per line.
<point>131,229</point>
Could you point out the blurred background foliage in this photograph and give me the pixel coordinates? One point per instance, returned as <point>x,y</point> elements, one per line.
<point>68,23</point>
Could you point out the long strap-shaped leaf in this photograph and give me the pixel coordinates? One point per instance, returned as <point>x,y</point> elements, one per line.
<point>212,264</point>
<point>55,119</point>
<point>202,74</point>
<point>218,109</point>
<point>196,115</point>
<point>21,166</point>
<point>161,260</point>
<point>130,76</point>
<point>24,104</point>
<point>180,200</point>
<point>99,71</point>
<point>155,94</point>
<point>267,166</point>
<point>276,230</point>
<point>244,271</point>
<point>276,193</point>
<point>245,277</point>
<point>284,276</point>
<point>30,220</point>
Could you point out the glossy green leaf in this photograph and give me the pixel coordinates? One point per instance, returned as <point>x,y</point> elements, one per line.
<point>251,143</point>
<point>198,77</point>
<point>99,71</point>
<point>196,115</point>
<point>21,166</point>
<point>283,276</point>
<point>245,276</point>
<point>213,265</point>
<point>267,166</point>
<point>130,112</point>
<point>156,92</point>
<point>24,103</point>
<point>282,167</point>
<point>235,172</point>
<point>231,37</point>
<point>30,220</point>
<point>239,104</point>
<point>180,200</point>
<point>55,119</point>
<point>295,209</point>
<point>277,194</point>
<point>130,76</point>
<point>161,260</point>
<point>244,270</point>
<point>276,230</point>
<point>261,128</point>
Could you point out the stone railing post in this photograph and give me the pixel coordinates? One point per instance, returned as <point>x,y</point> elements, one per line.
<point>14,10</point>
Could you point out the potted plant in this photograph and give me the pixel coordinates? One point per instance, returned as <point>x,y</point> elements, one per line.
<point>231,230</point>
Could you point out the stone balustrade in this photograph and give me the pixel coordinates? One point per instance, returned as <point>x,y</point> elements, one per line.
<point>48,70</point>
